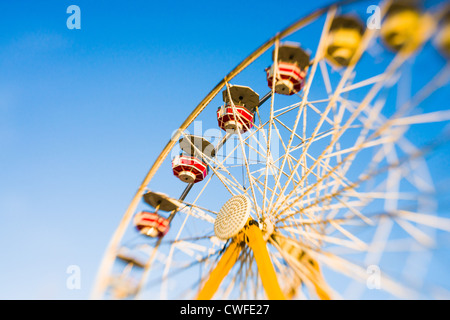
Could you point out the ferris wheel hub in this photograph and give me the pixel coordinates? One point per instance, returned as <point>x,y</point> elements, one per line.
<point>232,217</point>
<point>268,227</point>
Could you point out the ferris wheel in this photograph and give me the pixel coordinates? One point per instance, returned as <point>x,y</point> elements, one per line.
<point>321,175</point>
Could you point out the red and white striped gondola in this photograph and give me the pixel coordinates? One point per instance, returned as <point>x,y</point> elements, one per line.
<point>293,63</point>
<point>151,224</point>
<point>238,111</point>
<point>189,169</point>
<point>189,165</point>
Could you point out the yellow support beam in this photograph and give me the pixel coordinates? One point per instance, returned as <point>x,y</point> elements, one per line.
<point>255,241</point>
<point>319,283</point>
<point>223,267</point>
<point>265,267</point>
<point>309,267</point>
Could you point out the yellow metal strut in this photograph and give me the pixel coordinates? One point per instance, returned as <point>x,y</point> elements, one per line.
<point>265,267</point>
<point>226,262</point>
<point>253,237</point>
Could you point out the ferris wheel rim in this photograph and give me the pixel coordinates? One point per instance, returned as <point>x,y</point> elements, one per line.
<point>100,284</point>
<point>213,93</point>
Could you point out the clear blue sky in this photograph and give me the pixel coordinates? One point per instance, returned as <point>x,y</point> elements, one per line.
<point>83,114</point>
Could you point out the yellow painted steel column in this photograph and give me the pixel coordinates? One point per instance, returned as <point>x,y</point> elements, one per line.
<point>318,281</point>
<point>265,267</point>
<point>226,262</point>
<point>322,292</point>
